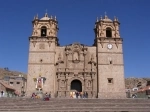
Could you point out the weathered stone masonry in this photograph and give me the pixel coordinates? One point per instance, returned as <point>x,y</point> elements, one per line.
<point>97,69</point>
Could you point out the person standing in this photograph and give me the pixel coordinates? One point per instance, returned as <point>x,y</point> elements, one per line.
<point>2,93</point>
<point>49,95</point>
<point>86,94</point>
<point>81,94</point>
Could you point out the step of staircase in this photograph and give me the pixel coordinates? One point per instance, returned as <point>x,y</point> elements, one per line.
<point>74,105</point>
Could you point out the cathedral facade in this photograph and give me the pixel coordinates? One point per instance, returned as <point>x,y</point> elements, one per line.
<point>60,70</point>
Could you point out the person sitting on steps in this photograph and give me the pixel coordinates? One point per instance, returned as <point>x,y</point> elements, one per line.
<point>46,97</point>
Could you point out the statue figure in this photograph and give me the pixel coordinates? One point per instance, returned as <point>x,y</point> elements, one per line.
<point>89,83</point>
<point>75,56</point>
<point>59,57</point>
<point>62,83</point>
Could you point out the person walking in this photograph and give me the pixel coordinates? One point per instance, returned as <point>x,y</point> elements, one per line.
<point>49,95</point>
<point>86,94</point>
<point>81,94</point>
<point>2,93</point>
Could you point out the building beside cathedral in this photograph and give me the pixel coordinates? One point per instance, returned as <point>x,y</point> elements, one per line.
<point>97,70</point>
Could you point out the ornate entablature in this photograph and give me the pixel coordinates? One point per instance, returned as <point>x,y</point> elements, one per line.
<point>76,59</point>
<point>76,49</point>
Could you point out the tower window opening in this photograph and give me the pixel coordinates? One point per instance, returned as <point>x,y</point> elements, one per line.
<point>43,31</point>
<point>110,62</point>
<point>110,80</point>
<point>41,60</point>
<point>108,32</point>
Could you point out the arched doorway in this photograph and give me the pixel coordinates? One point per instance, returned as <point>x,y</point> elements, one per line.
<point>76,85</point>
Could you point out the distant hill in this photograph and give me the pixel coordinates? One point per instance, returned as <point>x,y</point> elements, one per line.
<point>7,72</point>
<point>136,82</point>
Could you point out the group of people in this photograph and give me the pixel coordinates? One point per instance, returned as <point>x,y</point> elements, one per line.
<point>34,96</point>
<point>79,94</point>
<point>45,97</point>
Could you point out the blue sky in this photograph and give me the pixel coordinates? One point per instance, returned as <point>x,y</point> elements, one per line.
<point>76,22</point>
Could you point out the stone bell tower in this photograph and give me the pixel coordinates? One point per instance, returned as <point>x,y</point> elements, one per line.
<point>109,51</point>
<point>41,62</point>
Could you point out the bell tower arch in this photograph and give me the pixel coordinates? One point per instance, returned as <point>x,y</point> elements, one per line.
<point>110,68</point>
<point>41,62</point>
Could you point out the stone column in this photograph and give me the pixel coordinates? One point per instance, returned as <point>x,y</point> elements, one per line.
<point>84,61</point>
<point>84,53</point>
<point>67,53</point>
<point>93,83</point>
<point>58,80</point>
<point>85,84</point>
<point>67,90</point>
<point>66,60</point>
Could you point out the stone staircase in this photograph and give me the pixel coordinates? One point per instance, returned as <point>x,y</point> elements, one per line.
<point>74,105</point>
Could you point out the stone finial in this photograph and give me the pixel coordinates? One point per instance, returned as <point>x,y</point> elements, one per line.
<point>101,18</point>
<point>55,18</point>
<point>51,17</point>
<point>97,19</point>
<point>46,15</point>
<point>36,16</point>
<point>115,19</point>
<point>105,15</point>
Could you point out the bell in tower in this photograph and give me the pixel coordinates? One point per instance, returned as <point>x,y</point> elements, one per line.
<point>43,31</point>
<point>105,27</point>
<point>45,27</point>
<point>42,53</point>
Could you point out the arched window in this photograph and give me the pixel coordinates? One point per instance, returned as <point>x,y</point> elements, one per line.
<point>43,31</point>
<point>108,32</point>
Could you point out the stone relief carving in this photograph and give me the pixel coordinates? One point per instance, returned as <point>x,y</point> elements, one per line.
<point>41,46</point>
<point>60,60</point>
<point>117,31</point>
<point>63,83</point>
<point>34,43</point>
<point>34,32</point>
<point>100,31</point>
<point>92,57</point>
<point>53,29</point>
<point>52,32</point>
<point>59,57</point>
